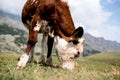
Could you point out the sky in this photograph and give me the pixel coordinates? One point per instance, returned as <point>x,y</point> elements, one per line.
<point>100,18</point>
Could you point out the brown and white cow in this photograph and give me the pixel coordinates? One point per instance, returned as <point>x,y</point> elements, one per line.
<point>53,19</point>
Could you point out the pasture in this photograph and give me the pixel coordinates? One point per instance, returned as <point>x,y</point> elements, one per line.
<point>104,66</point>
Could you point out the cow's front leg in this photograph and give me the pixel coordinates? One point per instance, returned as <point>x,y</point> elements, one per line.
<point>31,43</point>
<point>49,45</point>
<point>31,55</point>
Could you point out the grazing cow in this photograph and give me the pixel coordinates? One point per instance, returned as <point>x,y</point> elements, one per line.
<point>53,19</point>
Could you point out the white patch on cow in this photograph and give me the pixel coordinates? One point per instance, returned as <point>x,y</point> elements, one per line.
<point>37,27</point>
<point>23,60</point>
<point>65,1</point>
<point>79,46</point>
<point>51,34</point>
<point>67,52</point>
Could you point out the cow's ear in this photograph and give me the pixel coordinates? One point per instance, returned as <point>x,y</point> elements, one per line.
<point>78,33</point>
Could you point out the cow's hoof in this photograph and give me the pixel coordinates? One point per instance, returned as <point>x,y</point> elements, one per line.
<point>23,60</point>
<point>41,62</point>
<point>49,62</point>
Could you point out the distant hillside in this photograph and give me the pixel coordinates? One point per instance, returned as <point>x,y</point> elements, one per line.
<point>7,29</point>
<point>9,15</point>
<point>101,44</point>
<point>13,38</point>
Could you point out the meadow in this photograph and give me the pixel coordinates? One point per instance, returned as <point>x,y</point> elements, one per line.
<point>103,66</point>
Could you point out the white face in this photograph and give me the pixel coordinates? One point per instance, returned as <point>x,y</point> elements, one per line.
<point>69,50</point>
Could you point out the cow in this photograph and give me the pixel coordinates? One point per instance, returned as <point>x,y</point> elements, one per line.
<point>52,18</point>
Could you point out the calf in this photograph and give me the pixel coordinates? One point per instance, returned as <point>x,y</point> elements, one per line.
<point>53,19</point>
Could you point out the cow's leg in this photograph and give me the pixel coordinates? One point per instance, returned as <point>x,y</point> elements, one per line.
<point>43,46</point>
<point>31,43</point>
<point>33,33</point>
<point>49,45</point>
<point>31,55</point>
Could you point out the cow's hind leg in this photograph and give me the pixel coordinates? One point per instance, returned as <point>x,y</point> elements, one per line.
<point>43,46</point>
<point>49,45</point>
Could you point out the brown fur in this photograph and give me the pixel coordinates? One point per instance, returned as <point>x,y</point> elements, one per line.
<point>59,20</point>
<point>55,12</point>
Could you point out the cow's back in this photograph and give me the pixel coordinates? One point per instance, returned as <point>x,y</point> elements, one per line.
<point>56,13</point>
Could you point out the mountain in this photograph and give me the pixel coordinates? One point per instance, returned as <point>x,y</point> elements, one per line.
<point>13,35</point>
<point>100,44</point>
<point>9,15</point>
<point>13,38</point>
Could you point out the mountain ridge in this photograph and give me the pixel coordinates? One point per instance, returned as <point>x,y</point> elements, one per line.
<point>107,45</point>
<point>14,17</point>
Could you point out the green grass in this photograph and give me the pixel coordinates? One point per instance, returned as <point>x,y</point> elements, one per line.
<point>104,66</point>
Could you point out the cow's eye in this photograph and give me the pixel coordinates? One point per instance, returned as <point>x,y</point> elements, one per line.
<point>75,42</point>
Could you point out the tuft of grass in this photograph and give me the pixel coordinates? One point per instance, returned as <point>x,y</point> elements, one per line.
<point>104,66</point>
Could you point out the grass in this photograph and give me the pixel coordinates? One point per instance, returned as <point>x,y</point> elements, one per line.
<point>104,66</point>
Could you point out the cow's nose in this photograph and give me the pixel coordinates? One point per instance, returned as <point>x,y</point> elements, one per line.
<point>77,55</point>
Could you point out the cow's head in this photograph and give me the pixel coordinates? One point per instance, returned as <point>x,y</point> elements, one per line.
<point>68,51</point>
